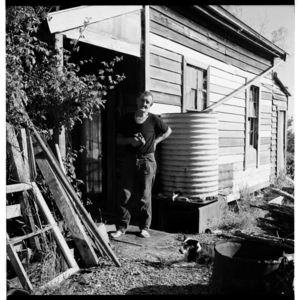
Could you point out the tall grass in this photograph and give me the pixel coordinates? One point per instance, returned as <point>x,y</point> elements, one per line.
<point>239,215</point>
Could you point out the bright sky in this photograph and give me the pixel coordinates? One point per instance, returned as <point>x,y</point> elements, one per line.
<point>278,15</point>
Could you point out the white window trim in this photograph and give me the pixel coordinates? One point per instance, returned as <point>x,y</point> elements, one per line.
<point>247,126</point>
<point>186,60</point>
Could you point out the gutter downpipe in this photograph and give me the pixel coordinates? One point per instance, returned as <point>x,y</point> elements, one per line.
<point>232,94</point>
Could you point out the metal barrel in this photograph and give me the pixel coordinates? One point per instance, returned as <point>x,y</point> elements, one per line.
<point>245,267</point>
<point>189,156</point>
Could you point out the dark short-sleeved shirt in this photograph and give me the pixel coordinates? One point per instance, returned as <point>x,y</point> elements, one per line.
<point>150,129</point>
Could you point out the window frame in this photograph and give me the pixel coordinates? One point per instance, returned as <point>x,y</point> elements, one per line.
<point>247,127</point>
<point>196,64</point>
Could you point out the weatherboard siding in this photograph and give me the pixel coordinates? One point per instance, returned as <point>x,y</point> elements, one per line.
<point>172,39</point>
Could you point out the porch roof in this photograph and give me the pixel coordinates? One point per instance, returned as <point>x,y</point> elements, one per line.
<point>109,27</point>
<point>74,17</point>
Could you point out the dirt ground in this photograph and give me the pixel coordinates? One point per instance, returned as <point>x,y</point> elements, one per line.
<point>145,268</point>
<point>161,246</point>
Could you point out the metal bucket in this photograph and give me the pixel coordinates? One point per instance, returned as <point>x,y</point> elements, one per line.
<point>189,157</point>
<point>244,267</point>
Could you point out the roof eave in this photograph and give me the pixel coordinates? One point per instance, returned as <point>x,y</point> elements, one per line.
<point>236,25</point>
<point>282,86</point>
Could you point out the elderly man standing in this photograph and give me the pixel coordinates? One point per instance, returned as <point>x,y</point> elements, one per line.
<point>139,132</point>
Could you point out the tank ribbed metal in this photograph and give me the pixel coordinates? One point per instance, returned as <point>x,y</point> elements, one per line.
<point>189,156</point>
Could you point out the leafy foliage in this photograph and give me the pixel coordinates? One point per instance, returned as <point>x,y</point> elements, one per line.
<point>43,85</point>
<point>290,159</point>
<point>53,95</point>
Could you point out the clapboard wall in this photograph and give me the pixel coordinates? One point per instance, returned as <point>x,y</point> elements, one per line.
<point>233,175</point>
<point>172,38</point>
<point>166,66</point>
<point>167,23</point>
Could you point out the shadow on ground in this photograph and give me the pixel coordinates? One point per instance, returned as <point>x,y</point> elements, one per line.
<point>191,289</point>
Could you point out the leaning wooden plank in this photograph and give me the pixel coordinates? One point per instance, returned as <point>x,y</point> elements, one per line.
<point>59,158</point>
<point>25,151</point>
<point>18,267</point>
<point>75,197</point>
<point>57,234</point>
<point>69,215</point>
<point>92,239</point>
<point>13,211</point>
<point>19,172</point>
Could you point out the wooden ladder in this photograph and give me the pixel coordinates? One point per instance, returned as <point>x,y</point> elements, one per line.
<point>15,211</point>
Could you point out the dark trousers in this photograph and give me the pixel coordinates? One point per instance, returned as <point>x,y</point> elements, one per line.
<point>138,175</point>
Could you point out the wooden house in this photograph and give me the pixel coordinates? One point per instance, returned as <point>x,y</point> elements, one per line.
<point>192,58</point>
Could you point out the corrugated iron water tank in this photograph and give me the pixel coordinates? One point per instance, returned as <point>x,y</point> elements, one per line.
<point>189,156</point>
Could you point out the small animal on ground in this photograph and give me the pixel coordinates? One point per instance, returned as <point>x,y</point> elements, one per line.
<point>193,254</point>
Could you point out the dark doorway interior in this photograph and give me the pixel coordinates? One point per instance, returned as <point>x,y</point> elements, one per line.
<point>99,165</point>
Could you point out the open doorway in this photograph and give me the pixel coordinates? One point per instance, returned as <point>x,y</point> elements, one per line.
<point>99,165</point>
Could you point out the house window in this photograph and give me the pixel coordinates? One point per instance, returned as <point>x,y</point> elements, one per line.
<point>252,128</point>
<point>195,88</point>
<point>253,116</point>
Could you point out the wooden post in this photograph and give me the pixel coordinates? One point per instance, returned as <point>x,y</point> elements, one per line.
<point>61,139</point>
<point>246,127</point>
<point>184,84</point>
<point>110,151</point>
<point>258,126</point>
<point>280,145</point>
<point>20,174</point>
<point>285,137</point>
<point>65,207</point>
<point>147,48</point>
<point>208,75</point>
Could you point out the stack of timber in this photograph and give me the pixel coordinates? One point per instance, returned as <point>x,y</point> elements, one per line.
<point>32,209</point>
<point>280,219</point>
<point>266,239</point>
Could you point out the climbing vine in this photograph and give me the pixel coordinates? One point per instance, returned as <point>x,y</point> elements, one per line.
<point>36,86</point>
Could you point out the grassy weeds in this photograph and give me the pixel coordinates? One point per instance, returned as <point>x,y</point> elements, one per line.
<point>280,181</point>
<point>240,215</point>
